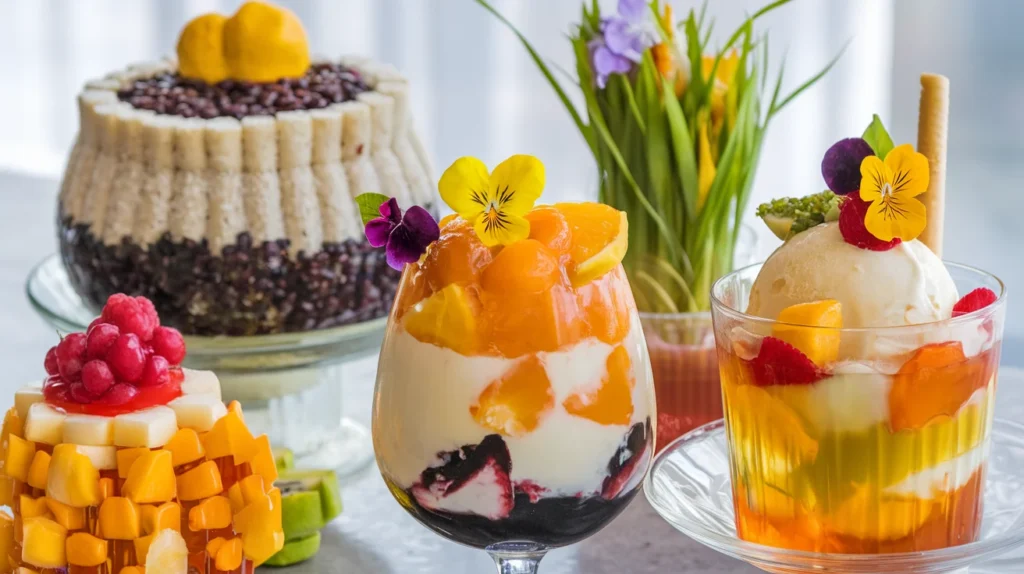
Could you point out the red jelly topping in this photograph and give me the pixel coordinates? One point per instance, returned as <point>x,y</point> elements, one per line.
<point>58,395</point>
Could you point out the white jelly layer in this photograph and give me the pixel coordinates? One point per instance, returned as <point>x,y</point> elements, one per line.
<point>423,400</point>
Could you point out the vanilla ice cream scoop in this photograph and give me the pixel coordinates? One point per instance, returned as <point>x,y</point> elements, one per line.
<point>903,286</point>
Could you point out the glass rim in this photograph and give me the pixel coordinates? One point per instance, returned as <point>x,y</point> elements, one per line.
<point>718,305</point>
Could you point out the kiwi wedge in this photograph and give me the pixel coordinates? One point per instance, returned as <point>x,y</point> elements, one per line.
<point>296,551</point>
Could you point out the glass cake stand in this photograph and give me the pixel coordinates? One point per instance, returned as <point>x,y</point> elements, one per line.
<point>689,486</point>
<point>289,384</point>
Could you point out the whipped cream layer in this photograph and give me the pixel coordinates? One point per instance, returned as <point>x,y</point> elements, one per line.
<point>422,408</point>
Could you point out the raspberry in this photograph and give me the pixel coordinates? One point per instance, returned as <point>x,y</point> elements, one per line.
<point>978,299</point>
<point>71,355</point>
<point>118,394</point>
<point>96,321</point>
<point>128,315</point>
<point>79,393</point>
<point>149,312</point>
<point>56,391</point>
<point>101,337</point>
<point>168,343</point>
<point>126,358</point>
<point>50,362</point>
<point>156,372</point>
<point>97,377</point>
<point>851,225</point>
<point>779,363</point>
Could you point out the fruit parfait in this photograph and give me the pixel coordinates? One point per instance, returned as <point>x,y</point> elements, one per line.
<point>858,370</point>
<point>121,461</point>
<point>514,396</point>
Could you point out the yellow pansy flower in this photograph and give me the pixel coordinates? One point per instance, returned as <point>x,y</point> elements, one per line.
<point>494,202</point>
<point>891,187</point>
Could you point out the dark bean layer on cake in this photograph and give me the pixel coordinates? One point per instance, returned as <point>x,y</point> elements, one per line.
<point>247,290</point>
<point>171,94</point>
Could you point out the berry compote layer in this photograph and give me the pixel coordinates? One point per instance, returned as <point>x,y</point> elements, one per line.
<point>511,404</point>
<point>230,205</point>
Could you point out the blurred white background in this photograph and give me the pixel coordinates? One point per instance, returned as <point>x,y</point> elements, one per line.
<point>477,92</point>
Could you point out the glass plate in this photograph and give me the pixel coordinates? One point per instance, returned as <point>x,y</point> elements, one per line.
<point>689,486</point>
<point>289,384</point>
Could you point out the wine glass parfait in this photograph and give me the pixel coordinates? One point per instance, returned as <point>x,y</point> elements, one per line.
<point>514,398</point>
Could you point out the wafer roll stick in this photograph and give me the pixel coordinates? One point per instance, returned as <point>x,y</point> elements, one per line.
<point>932,138</point>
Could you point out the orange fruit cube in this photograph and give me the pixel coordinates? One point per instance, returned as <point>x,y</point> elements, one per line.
<point>126,457</point>
<point>252,488</point>
<point>38,470</point>
<point>599,239</point>
<point>458,256</point>
<point>607,305</point>
<point>72,479</point>
<point>446,319</point>
<point>119,519</point>
<point>84,549</point>
<point>29,507</point>
<point>185,447</point>
<point>20,453</point>
<point>229,555</point>
<point>936,381</point>
<point>525,266</point>
<point>157,518</point>
<point>797,326</point>
<point>201,482</point>
<point>210,514</point>
<point>549,227</point>
<point>517,324</point>
<point>151,479</point>
<point>262,536</point>
<point>611,402</point>
<point>43,543</point>
<point>262,462</point>
<point>515,404</point>
<point>69,517</point>
<point>229,437</point>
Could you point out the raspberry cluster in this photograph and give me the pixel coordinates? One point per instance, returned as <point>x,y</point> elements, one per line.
<point>124,349</point>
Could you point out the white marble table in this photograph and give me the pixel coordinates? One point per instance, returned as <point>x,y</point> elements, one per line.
<point>374,535</point>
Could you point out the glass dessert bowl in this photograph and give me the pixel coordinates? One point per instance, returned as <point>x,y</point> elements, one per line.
<point>514,401</point>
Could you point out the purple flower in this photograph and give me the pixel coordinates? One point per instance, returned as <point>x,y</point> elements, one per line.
<point>623,40</point>
<point>406,237</point>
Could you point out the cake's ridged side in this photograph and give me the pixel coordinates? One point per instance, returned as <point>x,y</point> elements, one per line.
<point>129,177</point>
<point>158,182</point>
<point>94,202</point>
<point>355,149</point>
<point>227,204</point>
<point>389,171</point>
<point>78,172</point>
<point>260,183</point>
<point>299,203</point>
<point>420,186</point>
<point>189,201</point>
<point>338,214</point>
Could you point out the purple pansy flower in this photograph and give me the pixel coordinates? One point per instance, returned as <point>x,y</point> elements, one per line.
<point>406,237</point>
<point>623,40</point>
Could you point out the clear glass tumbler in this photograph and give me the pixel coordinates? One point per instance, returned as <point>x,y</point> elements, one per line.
<point>883,449</point>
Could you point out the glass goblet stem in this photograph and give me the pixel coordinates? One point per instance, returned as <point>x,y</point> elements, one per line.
<point>517,557</point>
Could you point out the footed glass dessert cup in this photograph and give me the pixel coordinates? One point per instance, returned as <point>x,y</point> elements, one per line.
<point>514,400</point>
<point>873,440</point>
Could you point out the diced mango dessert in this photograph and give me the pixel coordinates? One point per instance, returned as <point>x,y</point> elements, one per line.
<point>102,475</point>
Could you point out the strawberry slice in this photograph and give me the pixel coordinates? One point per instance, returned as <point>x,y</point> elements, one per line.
<point>779,363</point>
<point>978,299</point>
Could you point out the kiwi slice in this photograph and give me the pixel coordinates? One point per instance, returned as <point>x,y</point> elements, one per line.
<point>284,458</point>
<point>296,551</point>
<point>309,500</point>
<point>788,216</point>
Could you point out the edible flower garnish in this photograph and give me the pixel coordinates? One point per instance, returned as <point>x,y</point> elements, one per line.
<point>404,237</point>
<point>494,202</point>
<point>892,186</point>
<point>623,40</point>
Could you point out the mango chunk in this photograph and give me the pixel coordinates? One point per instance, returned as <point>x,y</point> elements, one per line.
<point>14,424</point>
<point>252,488</point>
<point>229,555</point>
<point>6,539</point>
<point>20,453</point>
<point>229,437</point>
<point>29,507</point>
<point>119,519</point>
<point>210,514</point>
<point>201,482</point>
<point>185,447</point>
<point>214,545</point>
<point>126,457</point>
<point>157,518</point>
<point>611,402</point>
<point>133,570</point>
<point>262,535</point>
<point>142,545</point>
<point>446,319</point>
<point>84,549</point>
<point>67,516</point>
<point>812,328</point>
<point>515,404</point>
<point>935,384</point>
<point>38,470</point>
<point>72,480</point>
<point>235,497</point>
<point>43,543</point>
<point>7,488</point>
<point>151,479</point>
<point>262,462</point>
<point>106,488</point>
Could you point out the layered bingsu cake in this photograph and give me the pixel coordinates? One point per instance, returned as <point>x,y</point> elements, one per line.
<point>220,185</point>
<point>122,462</point>
<point>514,397</point>
<point>859,385</point>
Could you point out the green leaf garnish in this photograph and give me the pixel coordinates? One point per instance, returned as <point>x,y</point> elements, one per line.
<point>878,138</point>
<point>369,205</point>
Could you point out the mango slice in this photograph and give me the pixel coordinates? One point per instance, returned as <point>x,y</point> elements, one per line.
<point>515,404</point>
<point>446,319</point>
<point>84,549</point>
<point>229,437</point>
<point>43,543</point>
<point>201,482</point>
<point>262,536</point>
<point>936,381</point>
<point>29,507</point>
<point>119,519</point>
<point>72,480</point>
<point>38,470</point>
<point>157,518</point>
<point>151,479</point>
<point>69,517</point>
<point>210,514</point>
<point>229,555</point>
<point>185,447</point>
<point>821,345</point>
<point>610,403</point>
<point>126,457</point>
<point>20,453</point>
